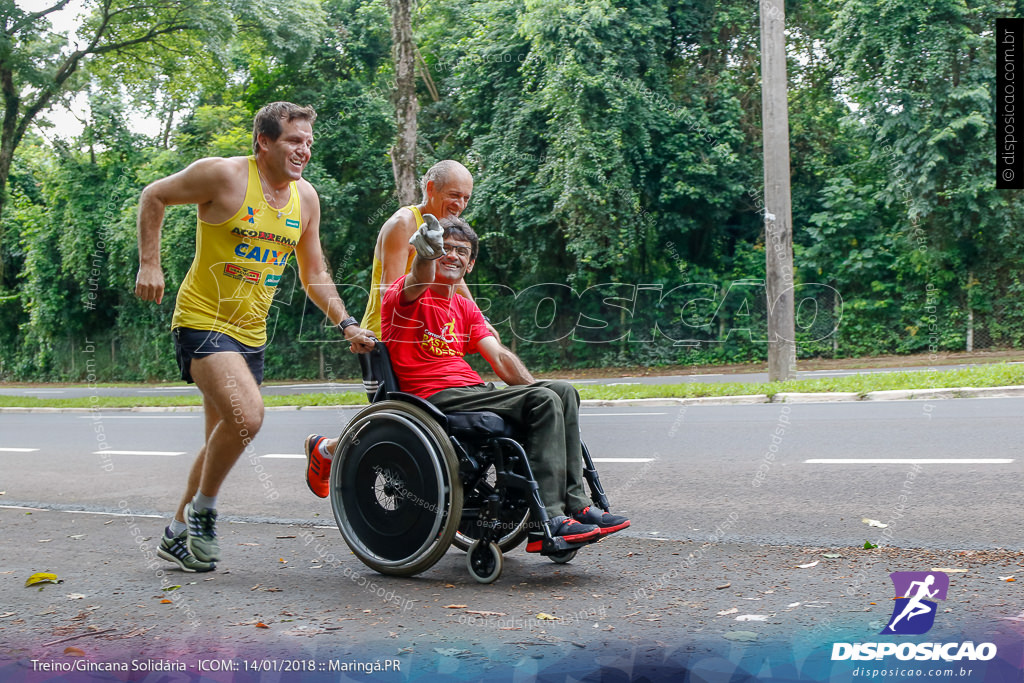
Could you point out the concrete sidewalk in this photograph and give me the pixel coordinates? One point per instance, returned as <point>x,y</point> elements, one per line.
<point>782,397</point>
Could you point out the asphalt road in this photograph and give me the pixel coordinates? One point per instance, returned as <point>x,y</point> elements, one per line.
<point>678,471</point>
<point>733,520</point>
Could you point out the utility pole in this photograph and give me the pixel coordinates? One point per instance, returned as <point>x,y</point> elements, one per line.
<point>403,153</point>
<point>778,218</point>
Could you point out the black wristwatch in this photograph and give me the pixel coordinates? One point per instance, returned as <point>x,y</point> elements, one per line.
<point>347,322</point>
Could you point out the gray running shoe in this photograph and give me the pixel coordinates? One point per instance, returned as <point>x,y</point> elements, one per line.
<point>202,533</point>
<point>175,549</point>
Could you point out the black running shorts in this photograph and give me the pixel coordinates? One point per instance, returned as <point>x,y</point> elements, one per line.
<point>189,344</point>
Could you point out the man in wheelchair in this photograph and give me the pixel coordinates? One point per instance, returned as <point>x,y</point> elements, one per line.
<point>429,328</point>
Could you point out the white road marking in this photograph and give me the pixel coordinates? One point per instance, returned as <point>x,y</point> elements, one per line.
<point>19,450</point>
<point>42,391</point>
<point>616,414</point>
<point>164,390</point>
<point>139,417</point>
<point>138,452</point>
<point>909,461</point>
<point>623,459</point>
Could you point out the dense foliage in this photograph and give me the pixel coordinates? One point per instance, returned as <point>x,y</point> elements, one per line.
<point>617,156</point>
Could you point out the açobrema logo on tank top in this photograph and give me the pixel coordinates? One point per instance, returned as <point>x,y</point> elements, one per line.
<point>238,266</point>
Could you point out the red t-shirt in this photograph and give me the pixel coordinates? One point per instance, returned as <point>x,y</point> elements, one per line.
<point>428,339</point>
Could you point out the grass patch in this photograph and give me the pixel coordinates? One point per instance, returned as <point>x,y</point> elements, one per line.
<point>997,375</point>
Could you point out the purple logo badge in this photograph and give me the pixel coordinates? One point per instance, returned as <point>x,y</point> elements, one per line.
<point>914,611</point>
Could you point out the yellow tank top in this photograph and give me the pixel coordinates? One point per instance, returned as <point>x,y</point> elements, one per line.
<point>371,318</point>
<point>238,265</point>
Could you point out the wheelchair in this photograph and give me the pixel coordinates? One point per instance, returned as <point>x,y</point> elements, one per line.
<point>408,481</point>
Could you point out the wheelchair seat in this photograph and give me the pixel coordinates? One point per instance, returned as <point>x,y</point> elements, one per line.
<point>408,481</point>
<point>478,425</point>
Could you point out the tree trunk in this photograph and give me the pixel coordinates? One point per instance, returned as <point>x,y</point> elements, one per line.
<point>403,153</point>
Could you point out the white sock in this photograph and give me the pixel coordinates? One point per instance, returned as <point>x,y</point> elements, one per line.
<point>177,527</point>
<point>201,502</point>
<point>324,453</point>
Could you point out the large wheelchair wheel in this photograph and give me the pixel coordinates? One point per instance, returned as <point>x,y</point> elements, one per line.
<point>395,491</point>
<point>513,521</point>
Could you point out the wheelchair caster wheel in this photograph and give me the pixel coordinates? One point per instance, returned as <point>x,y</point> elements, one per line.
<point>484,561</point>
<point>563,557</point>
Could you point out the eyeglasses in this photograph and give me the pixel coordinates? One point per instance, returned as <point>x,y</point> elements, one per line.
<point>462,252</point>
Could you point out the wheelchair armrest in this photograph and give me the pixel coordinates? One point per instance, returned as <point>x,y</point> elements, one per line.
<point>423,404</point>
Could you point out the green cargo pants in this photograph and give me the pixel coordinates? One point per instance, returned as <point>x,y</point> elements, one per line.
<point>548,411</point>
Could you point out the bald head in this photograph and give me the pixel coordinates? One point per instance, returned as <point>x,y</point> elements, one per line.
<point>446,188</point>
<point>442,173</point>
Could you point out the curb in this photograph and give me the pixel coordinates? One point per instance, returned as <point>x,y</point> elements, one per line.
<point>781,397</point>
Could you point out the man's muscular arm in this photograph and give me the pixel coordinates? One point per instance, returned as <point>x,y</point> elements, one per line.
<point>505,363</point>
<point>209,183</point>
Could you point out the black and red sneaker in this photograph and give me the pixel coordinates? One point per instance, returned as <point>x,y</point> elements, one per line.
<point>569,530</point>
<point>318,468</point>
<point>606,522</point>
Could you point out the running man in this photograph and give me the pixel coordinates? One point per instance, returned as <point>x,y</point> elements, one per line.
<point>254,214</point>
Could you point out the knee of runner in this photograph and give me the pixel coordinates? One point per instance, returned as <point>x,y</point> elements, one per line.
<point>250,420</point>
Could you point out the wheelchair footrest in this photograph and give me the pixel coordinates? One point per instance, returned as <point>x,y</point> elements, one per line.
<point>538,543</point>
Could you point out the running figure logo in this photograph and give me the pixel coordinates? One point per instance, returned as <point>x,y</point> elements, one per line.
<point>914,611</point>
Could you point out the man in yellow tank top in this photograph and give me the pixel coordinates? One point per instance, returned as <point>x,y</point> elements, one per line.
<point>446,189</point>
<point>254,215</point>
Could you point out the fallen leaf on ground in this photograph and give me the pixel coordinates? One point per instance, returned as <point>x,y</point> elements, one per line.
<point>741,636</point>
<point>544,616</point>
<point>732,610</point>
<point>868,545</point>
<point>483,613</point>
<point>723,586</point>
<point>74,652</point>
<point>1001,578</point>
<point>165,601</point>
<point>260,624</point>
<point>75,596</point>
<point>455,606</point>
<point>874,523</point>
<point>77,537</point>
<point>832,556</point>
<point>808,565</point>
<point>42,577</point>
<point>172,588</point>
<point>752,617</point>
